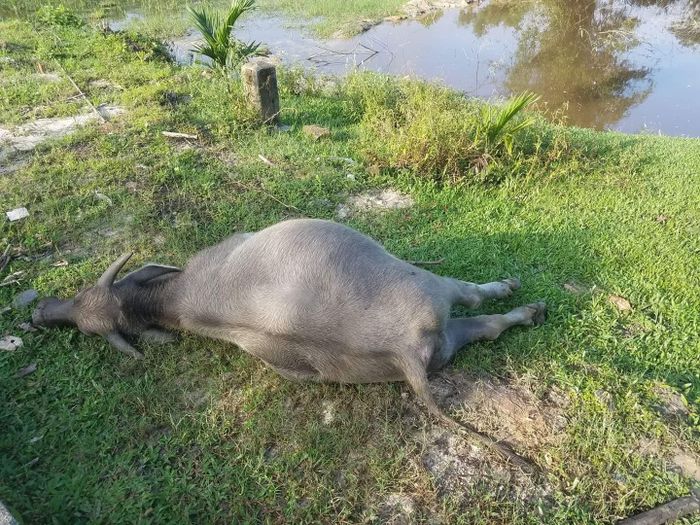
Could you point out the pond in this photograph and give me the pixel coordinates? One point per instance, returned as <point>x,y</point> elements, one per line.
<point>628,65</point>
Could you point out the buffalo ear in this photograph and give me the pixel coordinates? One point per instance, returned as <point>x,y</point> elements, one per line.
<point>146,273</point>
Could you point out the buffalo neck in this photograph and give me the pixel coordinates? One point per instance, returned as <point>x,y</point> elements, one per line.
<point>151,304</point>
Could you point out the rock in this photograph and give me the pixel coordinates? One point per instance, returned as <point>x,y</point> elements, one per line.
<point>29,369</point>
<point>387,199</point>
<point>9,165</point>
<point>25,298</point>
<point>619,302</point>
<point>5,516</point>
<point>342,211</point>
<point>397,509</point>
<point>10,343</point>
<point>316,132</point>
<point>328,412</point>
<point>27,327</point>
<point>102,197</point>
<point>17,214</point>
<point>686,464</point>
<point>574,288</point>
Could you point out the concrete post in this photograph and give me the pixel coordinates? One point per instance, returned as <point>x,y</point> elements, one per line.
<point>260,84</point>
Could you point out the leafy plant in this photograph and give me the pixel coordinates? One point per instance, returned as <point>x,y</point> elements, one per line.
<point>219,44</point>
<point>59,15</point>
<point>435,132</point>
<point>498,125</point>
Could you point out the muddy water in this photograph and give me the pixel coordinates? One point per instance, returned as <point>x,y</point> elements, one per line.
<point>629,65</point>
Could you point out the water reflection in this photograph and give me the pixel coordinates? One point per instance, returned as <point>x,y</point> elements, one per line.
<point>571,52</point>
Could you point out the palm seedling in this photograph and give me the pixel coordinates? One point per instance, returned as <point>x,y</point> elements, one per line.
<point>224,50</point>
<point>498,126</point>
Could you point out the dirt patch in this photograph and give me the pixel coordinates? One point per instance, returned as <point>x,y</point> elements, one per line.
<point>417,8</point>
<point>374,200</point>
<point>671,405</point>
<point>686,464</point>
<point>678,460</point>
<point>507,411</point>
<point>27,137</point>
<point>397,509</point>
<point>11,163</point>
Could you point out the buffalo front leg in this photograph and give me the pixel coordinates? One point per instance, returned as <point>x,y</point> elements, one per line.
<point>462,331</point>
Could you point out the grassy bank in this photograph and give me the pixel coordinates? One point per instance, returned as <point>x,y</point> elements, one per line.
<point>166,18</point>
<point>199,432</point>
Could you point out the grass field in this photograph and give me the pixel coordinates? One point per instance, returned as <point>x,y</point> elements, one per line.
<point>604,400</point>
<point>166,18</point>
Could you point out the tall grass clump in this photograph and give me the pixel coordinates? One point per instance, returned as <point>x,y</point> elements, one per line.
<point>434,131</point>
<point>225,51</point>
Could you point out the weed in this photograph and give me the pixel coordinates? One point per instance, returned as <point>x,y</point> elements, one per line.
<point>437,133</point>
<point>57,16</point>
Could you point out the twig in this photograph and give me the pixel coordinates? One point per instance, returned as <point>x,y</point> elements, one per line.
<point>269,195</point>
<point>57,39</point>
<point>427,263</point>
<point>175,135</point>
<point>5,258</point>
<point>80,92</point>
<point>667,512</point>
<point>266,160</point>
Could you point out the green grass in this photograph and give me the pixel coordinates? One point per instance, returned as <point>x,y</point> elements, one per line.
<point>201,432</point>
<point>167,18</point>
<point>330,17</point>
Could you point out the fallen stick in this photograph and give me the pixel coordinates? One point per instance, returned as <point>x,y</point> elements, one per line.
<point>81,94</point>
<point>175,135</point>
<point>267,194</point>
<point>667,512</point>
<point>5,258</point>
<point>427,263</point>
<point>266,160</point>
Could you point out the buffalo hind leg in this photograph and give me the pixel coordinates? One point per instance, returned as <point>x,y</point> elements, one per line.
<point>472,295</point>
<point>462,331</point>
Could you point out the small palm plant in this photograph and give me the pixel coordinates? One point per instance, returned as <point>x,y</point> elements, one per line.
<point>498,127</point>
<point>219,44</point>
